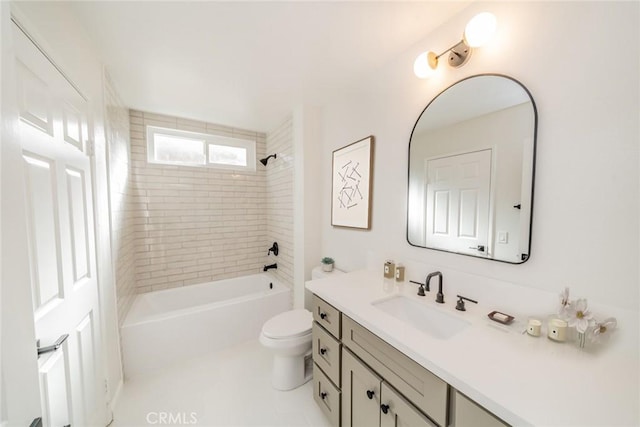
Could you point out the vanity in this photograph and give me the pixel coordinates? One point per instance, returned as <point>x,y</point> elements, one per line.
<point>375,363</point>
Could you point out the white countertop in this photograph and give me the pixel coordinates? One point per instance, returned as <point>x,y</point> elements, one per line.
<point>522,379</point>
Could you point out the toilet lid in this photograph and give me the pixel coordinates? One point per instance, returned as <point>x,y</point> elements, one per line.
<point>289,324</point>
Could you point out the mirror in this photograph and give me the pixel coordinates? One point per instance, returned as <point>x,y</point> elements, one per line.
<point>471,170</point>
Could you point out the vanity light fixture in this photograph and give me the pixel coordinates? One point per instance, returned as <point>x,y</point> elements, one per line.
<point>478,31</point>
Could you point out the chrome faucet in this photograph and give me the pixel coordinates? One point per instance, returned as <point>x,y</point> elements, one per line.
<point>269,267</point>
<point>440,295</point>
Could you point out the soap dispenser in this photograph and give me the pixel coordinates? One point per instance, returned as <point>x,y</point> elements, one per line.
<point>389,269</point>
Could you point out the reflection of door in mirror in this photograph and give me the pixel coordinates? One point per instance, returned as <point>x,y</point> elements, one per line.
<point>458,193</point>
<point>446,209</point>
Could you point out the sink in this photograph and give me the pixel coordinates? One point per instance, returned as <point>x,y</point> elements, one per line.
<point>427,319</point>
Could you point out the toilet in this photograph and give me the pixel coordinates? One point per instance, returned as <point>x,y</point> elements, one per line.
<point>288,336</point>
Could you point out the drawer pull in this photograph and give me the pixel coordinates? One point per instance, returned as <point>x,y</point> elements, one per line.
<point>323,395</point>
<point>384,408</point>
<point>323,351</point>
<point>323,316</point>
<point>370,394</point>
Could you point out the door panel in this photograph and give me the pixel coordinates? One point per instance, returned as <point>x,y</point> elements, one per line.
<point>55,389</point>
<point>467,226</point>
<point>34,99</point>
<point>57,173</point>
<point>42,215</point>
<point>86,359</point>
<point>79,228</point>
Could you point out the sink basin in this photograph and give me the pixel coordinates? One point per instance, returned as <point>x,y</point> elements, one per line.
<point>427,319</point>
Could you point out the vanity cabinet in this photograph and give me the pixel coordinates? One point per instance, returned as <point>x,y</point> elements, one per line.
<point>367,400</point>
<point>361,380</point>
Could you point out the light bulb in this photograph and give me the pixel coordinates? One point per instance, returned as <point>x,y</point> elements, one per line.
<point>480,29</point>
<point>425,65</point>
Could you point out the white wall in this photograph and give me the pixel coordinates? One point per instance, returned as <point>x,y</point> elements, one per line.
<point>307,203</point>
<point>580,62</point>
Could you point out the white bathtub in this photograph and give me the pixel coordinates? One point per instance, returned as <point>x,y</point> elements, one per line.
<point>176,324</point>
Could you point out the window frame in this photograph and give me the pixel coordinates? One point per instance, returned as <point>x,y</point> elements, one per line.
<point>206,139</point>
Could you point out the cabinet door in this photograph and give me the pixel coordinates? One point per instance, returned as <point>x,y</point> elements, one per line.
<point>467,413</point>
<point>397,412</point>
<point>360,393</point>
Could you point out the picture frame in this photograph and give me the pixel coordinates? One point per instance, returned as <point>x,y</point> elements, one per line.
<point>352,172</point>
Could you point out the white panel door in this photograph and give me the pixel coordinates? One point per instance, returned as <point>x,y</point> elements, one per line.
<point>458,201</point>
<point>59,205</point>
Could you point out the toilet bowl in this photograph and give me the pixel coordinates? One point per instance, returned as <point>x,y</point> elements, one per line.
<point>288,336</point>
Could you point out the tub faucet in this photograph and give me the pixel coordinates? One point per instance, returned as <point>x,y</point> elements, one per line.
<point>269,267</point>
<point>440,295</point>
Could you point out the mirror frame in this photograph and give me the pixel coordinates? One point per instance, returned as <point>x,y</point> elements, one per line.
<point>533,165</point>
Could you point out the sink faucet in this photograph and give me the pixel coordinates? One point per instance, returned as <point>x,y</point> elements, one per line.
<point>269,267</point>
<point>440,295</point>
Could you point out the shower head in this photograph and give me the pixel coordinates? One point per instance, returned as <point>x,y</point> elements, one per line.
<point>266,159</point>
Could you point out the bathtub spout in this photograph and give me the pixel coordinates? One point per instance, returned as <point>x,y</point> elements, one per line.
<point>269,267</point>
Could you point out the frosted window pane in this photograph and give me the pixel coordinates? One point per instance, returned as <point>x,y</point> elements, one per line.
<point>227,155</point>
<point>172,149</point>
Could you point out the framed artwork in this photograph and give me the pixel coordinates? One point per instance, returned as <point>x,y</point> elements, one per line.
<point>351,185</point>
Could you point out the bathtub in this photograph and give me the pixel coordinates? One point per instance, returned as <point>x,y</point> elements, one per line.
<point>165,326</point>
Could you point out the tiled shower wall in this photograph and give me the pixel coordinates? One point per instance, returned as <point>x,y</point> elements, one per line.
<point>279,199</point>
<point>120,189</point>
<point>195,224</point>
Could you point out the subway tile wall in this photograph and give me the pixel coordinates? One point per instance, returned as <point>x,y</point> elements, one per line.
<point>279,200</point>
<point>195,224</point>
<point>120,191</point>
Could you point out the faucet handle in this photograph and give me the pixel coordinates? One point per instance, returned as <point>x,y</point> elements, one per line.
<point>461,300</point>
<point>420,289</point>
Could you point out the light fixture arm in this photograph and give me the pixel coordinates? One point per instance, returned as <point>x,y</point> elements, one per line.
<point>477,32</point>
<point>449,49</point>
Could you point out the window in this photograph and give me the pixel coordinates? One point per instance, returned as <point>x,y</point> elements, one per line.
<point>178,147</point>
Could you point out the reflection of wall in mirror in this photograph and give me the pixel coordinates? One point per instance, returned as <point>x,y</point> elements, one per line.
<point>505,132</point>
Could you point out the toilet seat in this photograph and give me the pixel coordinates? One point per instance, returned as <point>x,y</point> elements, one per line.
<point>290,324</point>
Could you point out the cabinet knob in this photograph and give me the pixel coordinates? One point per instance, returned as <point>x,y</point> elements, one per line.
<point>323,351</point>
<point>384,408</point>
<point>323,316</point>
<point>323,395</point>
<point>370,394</point>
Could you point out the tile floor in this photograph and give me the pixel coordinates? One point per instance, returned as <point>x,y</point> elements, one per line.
<point>230,387</point>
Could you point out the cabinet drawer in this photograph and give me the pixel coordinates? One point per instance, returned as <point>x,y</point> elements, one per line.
<point>326,395</point>
<point>425,390</point>
<point>327,316</point>
<point>467,413</point>
<point>326,353</point>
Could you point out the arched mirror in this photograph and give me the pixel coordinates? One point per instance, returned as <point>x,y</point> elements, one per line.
<point>471,170</point>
